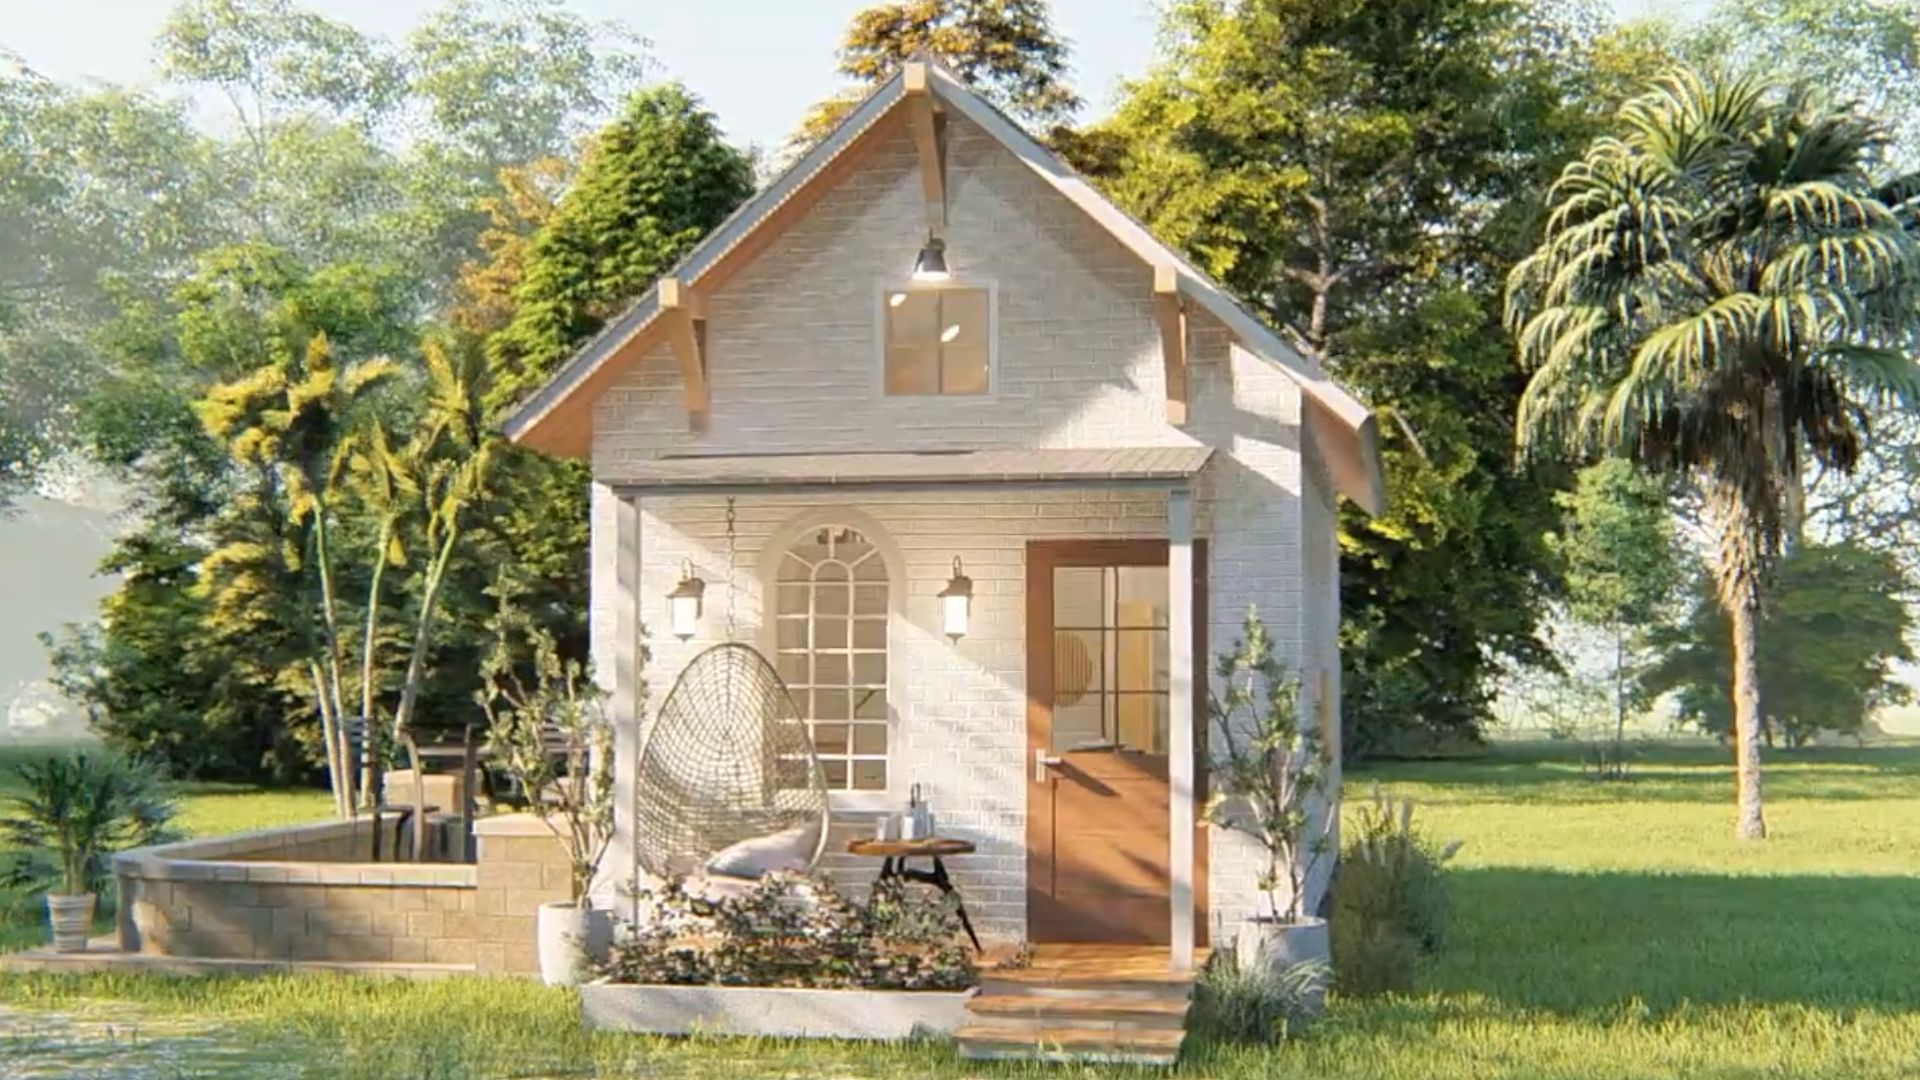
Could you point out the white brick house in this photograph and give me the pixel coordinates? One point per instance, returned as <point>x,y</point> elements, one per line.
<point>1076,414</point>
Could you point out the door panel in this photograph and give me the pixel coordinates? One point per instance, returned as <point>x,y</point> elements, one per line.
<point>1098,717</point>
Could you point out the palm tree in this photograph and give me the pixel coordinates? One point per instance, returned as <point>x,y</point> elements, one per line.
<point>1722,291</point>
<point>294,422</point>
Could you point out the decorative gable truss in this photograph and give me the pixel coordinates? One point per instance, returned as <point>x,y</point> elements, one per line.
<point>558,418</point>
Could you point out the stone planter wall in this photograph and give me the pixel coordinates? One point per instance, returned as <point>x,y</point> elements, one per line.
<point>771,1012</point>
<point>281,895</point>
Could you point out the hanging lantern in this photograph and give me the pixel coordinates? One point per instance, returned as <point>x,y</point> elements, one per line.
<point>931,266</point>
<point>684,603</point>
<point>956,603</point>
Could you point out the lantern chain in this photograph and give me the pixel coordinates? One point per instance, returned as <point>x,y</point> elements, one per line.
<point>732,548</point>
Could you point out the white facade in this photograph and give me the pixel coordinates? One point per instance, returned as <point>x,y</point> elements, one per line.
<point>792,363</point>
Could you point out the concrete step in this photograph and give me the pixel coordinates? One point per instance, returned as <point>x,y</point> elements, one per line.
<point>1033,1012</point>
<point>980,1042</point>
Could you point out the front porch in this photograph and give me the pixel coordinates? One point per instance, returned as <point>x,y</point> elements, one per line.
<point>832,566</point>
<point>1119,1004</point>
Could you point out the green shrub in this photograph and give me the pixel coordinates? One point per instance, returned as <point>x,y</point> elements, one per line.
<point>797,931</point>
<point>72,812</point>
<point>1232,1005</point>
<point>1389,902</point>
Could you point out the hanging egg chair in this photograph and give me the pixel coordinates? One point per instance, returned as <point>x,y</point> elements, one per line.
<point>729,786</point>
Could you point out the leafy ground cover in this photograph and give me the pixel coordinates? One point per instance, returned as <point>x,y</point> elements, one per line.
<point>1608,930</point>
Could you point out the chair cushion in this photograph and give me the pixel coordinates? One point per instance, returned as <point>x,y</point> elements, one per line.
<point>790,850</point>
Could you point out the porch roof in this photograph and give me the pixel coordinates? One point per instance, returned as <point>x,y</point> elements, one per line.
<point>1122,465</point>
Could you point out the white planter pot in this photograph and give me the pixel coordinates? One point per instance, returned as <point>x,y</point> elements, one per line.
<point>1278,946</point>
<point>72,919</point>
<point>571,938</point>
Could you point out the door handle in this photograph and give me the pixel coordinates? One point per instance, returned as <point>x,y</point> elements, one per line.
<point>1042,761</point>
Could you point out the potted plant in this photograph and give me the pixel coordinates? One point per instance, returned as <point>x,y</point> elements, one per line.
<point>70,813</point>
<point>550,734</point>
<point>1270,782</point>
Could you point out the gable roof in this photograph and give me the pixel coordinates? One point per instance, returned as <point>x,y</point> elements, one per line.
<point>557,417</point>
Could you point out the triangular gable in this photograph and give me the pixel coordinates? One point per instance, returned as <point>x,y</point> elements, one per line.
<point>557,418</point>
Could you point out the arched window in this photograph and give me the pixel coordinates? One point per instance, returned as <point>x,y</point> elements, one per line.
<point>830,611</point>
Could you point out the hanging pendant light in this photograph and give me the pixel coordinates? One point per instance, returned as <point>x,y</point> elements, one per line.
<point>931,267</point>
<point>684,603</point>
<point>956,603</point>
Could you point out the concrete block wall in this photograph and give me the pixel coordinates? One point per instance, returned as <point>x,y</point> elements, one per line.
<point>246,898</point>
<point>522,865</point>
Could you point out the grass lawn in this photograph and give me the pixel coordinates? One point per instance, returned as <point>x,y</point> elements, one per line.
<point>1601,930</point>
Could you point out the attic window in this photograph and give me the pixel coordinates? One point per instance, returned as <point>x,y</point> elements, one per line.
<point>938,341</point>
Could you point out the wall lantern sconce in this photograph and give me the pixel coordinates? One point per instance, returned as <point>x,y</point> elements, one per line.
<point>684,603</point>
<point>956,603</point>
<point>931,267</point>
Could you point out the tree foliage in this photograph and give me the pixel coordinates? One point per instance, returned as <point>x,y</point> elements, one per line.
<point>1623,570</point>
<point>655,181</point>
<point>1005,49</point>
<point>1722,289</point>
<point>1830,641</point>
<point>1363,174</point>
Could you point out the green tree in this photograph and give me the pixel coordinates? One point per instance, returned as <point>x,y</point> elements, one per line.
<point>294,423</point>
<point>1364,174</point>
<point>1830,638</point>
<point>1008,50</point>
<point>654,182</point>
<point>1621,568</point>
<point>1720,290</point>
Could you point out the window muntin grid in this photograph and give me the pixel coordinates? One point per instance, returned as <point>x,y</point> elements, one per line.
<point>830,645</point>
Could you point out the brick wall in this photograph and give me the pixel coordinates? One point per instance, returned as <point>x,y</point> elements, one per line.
<point>249,898</point>
<point>521,866</point>
<point>793,366</point>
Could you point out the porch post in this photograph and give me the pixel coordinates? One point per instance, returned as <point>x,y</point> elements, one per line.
<point>621,861</point>
<point>1180,738</point>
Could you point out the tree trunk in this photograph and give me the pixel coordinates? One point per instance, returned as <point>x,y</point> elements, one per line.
<point>1742,549</point>
<point>335,685</point>
<point>372,776</point>
<point>1619,701</point>
<point>416,672</point>
<point>1749,824</point>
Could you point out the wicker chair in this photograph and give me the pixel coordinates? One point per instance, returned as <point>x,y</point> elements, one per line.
<point>727,762</point>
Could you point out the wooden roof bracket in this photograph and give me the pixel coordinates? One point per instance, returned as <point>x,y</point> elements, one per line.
<point>1171,313</point>
<point>930,142</point>
<point>685,312</point>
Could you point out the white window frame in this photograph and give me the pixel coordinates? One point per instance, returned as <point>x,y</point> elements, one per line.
<point>771,558</point>
<point>884,287</point>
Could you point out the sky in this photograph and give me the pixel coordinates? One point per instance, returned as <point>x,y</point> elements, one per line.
<point>758,63</point>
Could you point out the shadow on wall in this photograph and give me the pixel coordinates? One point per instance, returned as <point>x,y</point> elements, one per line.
<point>1571,943</point>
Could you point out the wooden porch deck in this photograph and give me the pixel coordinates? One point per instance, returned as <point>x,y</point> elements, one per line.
<point>1118,1004</point>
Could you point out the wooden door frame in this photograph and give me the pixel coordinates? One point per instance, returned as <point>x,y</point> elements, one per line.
<point>1043,557</point>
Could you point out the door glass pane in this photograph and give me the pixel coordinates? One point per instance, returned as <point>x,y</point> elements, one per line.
<point>1081,723</point>
<point>1141,722</point>
<point>1140,660</point>
<point>1078,593</point>
<point>1076,665</point>
<point>1142,596</point>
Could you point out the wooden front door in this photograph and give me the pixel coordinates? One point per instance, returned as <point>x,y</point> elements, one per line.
<point>1097,728</point>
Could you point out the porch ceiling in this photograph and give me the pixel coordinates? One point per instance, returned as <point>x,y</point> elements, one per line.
<point>1164,464</point>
